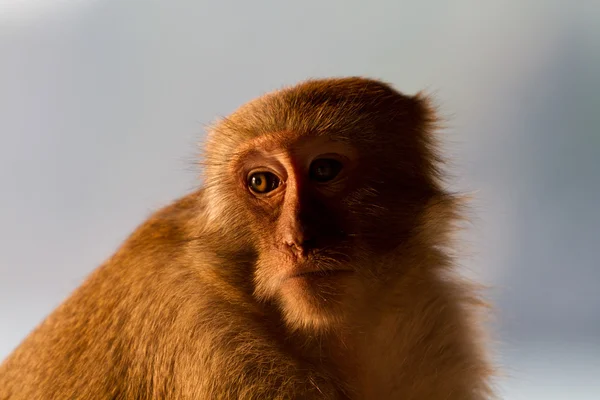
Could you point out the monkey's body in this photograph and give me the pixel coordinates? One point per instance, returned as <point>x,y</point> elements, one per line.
<point>190,308</point>
<point>115,339</point>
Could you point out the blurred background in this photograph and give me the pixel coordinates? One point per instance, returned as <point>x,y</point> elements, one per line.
<point>103,103</point>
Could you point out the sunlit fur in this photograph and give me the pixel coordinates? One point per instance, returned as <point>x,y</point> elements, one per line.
<point>404,219</point>
<point>196,304</point>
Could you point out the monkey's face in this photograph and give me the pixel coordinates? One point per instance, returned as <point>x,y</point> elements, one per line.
<point>300,196</point>
<point>325,182</point>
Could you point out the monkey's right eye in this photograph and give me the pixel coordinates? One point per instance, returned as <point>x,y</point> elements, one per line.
<point>263,182</point>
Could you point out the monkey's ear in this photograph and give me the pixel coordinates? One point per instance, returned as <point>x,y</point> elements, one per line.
<point>424,117</point>
<point>424,111</point>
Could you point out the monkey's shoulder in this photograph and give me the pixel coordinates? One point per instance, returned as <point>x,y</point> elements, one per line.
<point>171,224</point>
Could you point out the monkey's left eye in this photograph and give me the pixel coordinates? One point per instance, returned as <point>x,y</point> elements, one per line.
<point>263,182</point>
<point>324,169</point>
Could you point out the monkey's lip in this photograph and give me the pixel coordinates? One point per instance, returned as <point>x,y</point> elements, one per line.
<point>321,273</point>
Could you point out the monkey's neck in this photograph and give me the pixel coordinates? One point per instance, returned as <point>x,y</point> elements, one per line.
<point>352,356</point>
<point>415,334</point>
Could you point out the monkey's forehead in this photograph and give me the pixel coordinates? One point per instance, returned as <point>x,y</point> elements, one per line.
<point>344,107</point>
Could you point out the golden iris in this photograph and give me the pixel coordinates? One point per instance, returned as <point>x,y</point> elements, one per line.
<point>263,182</point>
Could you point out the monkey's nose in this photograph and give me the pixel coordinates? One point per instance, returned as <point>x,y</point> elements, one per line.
<point>295,249</point>
<point>298,241</point>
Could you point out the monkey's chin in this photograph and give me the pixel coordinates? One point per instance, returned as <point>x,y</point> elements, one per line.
<point>316,301</point>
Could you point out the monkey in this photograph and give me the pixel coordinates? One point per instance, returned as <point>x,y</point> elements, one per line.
<point>314,262</point>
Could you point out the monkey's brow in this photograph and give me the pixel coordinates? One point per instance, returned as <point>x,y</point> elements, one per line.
<point>259,152</point>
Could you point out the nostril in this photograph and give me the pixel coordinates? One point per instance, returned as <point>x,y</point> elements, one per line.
<point>291,244</point>
<point>308,243</point>
<point>297,239</point>
<point>294,249</point>
<point>299,246</point>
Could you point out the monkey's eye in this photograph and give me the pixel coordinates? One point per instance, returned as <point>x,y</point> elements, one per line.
<point>324,169</point>
<point>263,182</point>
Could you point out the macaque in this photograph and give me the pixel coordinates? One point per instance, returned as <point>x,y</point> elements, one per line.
<point>314,263</point>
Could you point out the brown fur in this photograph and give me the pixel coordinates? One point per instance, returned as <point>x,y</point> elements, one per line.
<point>196,304</point>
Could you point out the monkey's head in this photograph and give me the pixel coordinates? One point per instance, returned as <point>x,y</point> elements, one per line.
<point>325,181</point>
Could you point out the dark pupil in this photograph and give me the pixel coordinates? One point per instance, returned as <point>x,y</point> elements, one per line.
<point>324,170</point>
<point>263,182</point>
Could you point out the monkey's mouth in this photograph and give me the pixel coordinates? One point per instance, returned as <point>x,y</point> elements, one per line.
<point>322,274</point>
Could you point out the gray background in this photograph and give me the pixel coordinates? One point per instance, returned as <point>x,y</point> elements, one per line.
<point>102,104</point>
